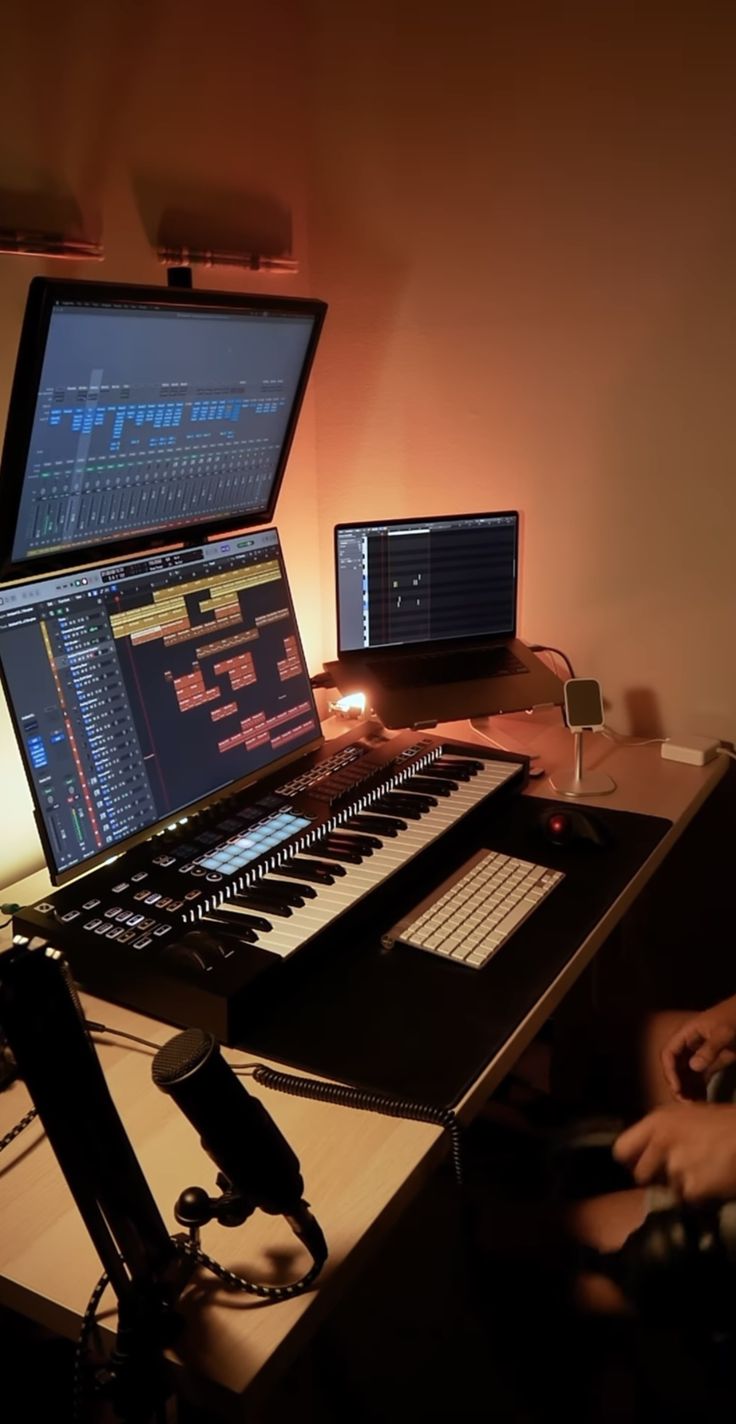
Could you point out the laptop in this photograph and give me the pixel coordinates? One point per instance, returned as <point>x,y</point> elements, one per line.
<point>426,619</point>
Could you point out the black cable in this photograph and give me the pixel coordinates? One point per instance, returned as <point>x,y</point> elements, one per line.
<point>233,1282</point>
<point>86,1328</point>
<point>189,1249</point>
<point>344,1096</point>
<point>337,1093</point>
<point>18,1129</point>
<point>121,1033</point>
<point>322,679</point>
<point>547,648</point>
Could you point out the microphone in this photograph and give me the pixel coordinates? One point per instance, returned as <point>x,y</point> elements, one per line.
<point>235,1129</point>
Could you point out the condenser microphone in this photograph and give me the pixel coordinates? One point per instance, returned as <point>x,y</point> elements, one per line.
<point>236,1130</point>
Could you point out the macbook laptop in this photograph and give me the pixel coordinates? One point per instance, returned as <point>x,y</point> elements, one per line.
<point>426,619</point>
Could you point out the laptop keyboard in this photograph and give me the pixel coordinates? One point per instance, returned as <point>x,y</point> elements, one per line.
<point>472,914</point>
<point>424,669</point>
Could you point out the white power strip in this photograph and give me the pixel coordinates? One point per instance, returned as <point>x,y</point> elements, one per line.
<point>696,751</point>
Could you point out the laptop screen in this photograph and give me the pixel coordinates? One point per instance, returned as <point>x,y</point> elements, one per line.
<point>139,412</point>
<point>414,581</point>
<point>138,691</point>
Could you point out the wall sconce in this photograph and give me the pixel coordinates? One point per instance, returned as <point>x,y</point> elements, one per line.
<point>205,257</point>
<point>49,244</point>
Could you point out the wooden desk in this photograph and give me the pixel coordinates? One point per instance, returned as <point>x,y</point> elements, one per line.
<point>360,1170</point>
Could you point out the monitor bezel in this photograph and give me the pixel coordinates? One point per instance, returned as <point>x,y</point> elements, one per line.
<point>391,649</point>
<point>43,294</point>
<point>262,774</point>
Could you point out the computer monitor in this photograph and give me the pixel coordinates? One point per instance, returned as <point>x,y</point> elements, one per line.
<point>143,415</point>
<point>140,690</point>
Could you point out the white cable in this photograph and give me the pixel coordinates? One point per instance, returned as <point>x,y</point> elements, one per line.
<point>513,751</point>
<point>650,741</point>
<point>485,736</point>
<point>632,741</point>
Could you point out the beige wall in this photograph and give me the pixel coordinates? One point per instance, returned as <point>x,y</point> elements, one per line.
<point>523,218</point>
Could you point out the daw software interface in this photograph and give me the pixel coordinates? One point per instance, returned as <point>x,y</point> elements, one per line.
<point>140,689</point>
<point>413,581</point>
<point>148,413</point>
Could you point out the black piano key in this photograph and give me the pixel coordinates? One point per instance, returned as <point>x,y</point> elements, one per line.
<point>254,900</point>
<point>293,894</point>
<point>444,776</point>
<point>392,802</point>
<point>256,922</point>
<point>308,870</point>
<point>436,785</point>
<point>365,845</point>
<point>229,931</point>
<point>324,866</point>
<point>383,825</point>
<point>372,842</point>
<point>463,768</point>
<point>350,857</point>
<point>307,892</point>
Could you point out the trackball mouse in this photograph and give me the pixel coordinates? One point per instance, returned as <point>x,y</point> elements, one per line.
<point>569,825</point>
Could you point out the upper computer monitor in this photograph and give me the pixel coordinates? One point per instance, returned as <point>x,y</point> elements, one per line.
<point>142,416</point>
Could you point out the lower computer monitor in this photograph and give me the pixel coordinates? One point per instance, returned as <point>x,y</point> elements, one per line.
<point>141,690</point>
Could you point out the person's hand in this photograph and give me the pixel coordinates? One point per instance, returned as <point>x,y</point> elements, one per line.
<point>690,1147</point>
<point>699,1048</point>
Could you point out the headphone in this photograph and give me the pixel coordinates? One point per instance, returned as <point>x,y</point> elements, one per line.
<point>678,1266</point>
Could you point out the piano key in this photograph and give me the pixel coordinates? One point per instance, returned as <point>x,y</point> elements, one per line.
<point>463,766</point>
<point>362,840</point>
<point>362,845</point>
<point>402,806</point>
<point>414,798</point>
<point>253,900</point>
<point>237,911</point>
<point>350,857</point>
<point>327,867</point>
<point>435,785</point>
<point>304,892</point>
<point>231,933</point>
<point>315,872</point>
<point>436,772</point>
<point>283,893</point>
<point>383,825</point>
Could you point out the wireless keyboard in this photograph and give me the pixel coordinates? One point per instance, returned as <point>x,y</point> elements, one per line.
<point>472,913</point>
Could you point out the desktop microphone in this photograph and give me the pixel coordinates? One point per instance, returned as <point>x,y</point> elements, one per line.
<point>235,1129</point>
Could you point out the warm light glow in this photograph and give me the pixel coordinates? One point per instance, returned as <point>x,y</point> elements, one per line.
<point>352,705</point>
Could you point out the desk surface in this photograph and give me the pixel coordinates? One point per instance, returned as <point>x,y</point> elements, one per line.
<point>360,1169</point>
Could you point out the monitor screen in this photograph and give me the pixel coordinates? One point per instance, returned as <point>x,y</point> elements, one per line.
<point>141,413</point>
<point>410,581</point>
<point>142,689</point>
